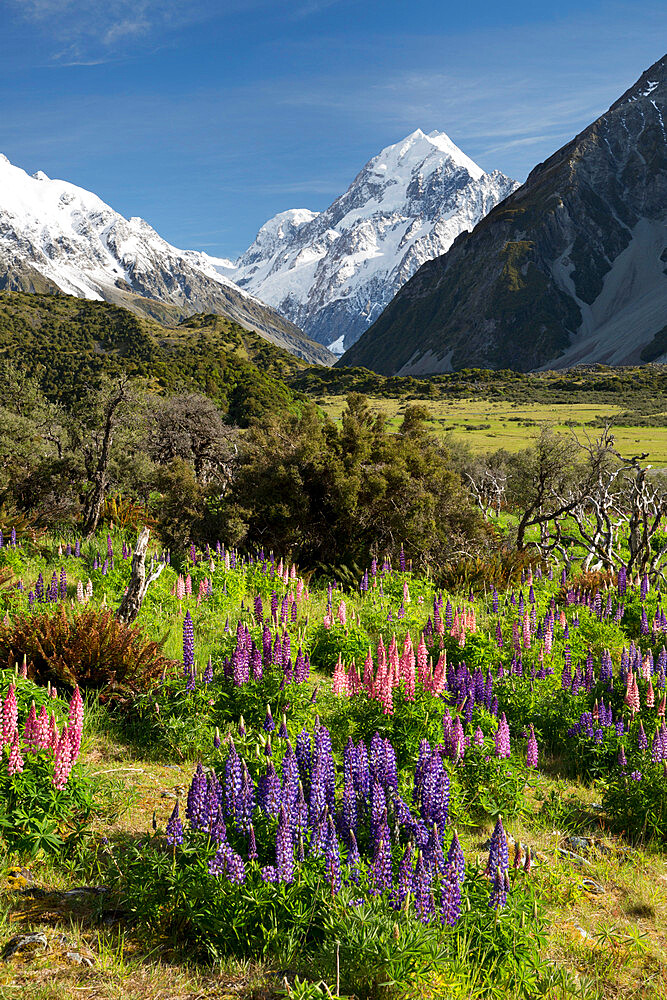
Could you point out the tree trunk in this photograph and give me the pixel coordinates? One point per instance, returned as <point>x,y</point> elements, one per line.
<point>96,500</point>
<point>130,606</point>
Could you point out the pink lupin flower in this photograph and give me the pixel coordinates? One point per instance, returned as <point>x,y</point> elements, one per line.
<point>368,674</point>
<point>54,735</point>
<point>10,714</point>
<point>439,682</point>
<point>502,738</point>
<point>79,593</point>
<point>180,588</point>
<point>23,672</point>
<point>650,695</point>
<point>89,589</point>
<point>15,762</point>
<point>76,721</point>
<point>632,694</point>
<point>406,592</point>
<point>422,660</point>
<point>188,585</point>
<point>661,707</point>
<point>531,750</point>
<point>42,729</point>
<point>354,685</point>
<point>63,760</point>
<point>526,631</point>
<point>382,654</point>
<point>29,734</point>
<point>339,677</point>
<point>341,614</point>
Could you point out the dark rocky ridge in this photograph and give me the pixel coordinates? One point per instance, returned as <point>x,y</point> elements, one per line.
<point>569,268</point>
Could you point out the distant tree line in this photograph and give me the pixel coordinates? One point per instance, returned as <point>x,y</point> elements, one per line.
<point>328,494</point>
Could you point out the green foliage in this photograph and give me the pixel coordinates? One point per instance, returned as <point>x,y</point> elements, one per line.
<point>635,798</point>
<point>240,370</point>
<point>36,817</point>
<point>330,495</point>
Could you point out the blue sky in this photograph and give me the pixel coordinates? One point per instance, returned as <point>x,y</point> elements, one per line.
<point>206,118</point>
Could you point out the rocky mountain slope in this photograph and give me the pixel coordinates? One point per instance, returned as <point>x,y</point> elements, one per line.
<point>55,236</point>
<point>333,273</point>
<point>570,269</point>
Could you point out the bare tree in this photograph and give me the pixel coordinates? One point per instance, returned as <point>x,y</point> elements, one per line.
<point>190,427</point>
<point>586,494</point>
<point>93,433</point>
<point>136,591</point>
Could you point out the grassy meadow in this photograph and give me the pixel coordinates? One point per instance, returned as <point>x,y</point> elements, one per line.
<point>586,911</point>
<point>489,424</point>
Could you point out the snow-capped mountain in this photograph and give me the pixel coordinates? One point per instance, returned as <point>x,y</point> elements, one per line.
<point>571,269</point>
<point>333,273</point>
<point>55,236</point>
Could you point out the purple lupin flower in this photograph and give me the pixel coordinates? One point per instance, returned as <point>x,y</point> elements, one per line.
<point>245,802</point>
<point>405,879</point>
<point>284,848</point>
<point>269,725</point>
<point>498,853</point>
<point>435,792</point>
<point>499,889</point>
<point>188,643</point>
<point>227,862</point>
<point>174,828</point>
<point>423,890</point>
<point>269,791</point>
<point>63,584</point>
<point>642,741</point>
<point>380,874</point>
<point>450,896</point>
<point>207,676</point>
<point>455,857</point>
<point>332,857</point>
<point>303,754</point>
<point>622,759</point>
<point>349,810</point>
<point>195,809</point>
<point>233,780</point>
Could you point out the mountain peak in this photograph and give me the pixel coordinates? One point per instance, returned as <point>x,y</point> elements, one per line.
<point>332,273</point>
<point>569,270</point>
<point>57,236</point>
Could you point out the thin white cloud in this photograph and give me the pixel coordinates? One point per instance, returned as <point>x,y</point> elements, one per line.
<point>89,32</point>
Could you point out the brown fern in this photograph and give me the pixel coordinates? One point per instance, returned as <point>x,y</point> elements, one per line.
<point>90,648</point>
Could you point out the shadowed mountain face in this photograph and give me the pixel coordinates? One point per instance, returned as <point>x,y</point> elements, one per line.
<point>571,268</point>
<point>56,237</point>
<point>333,273</point>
